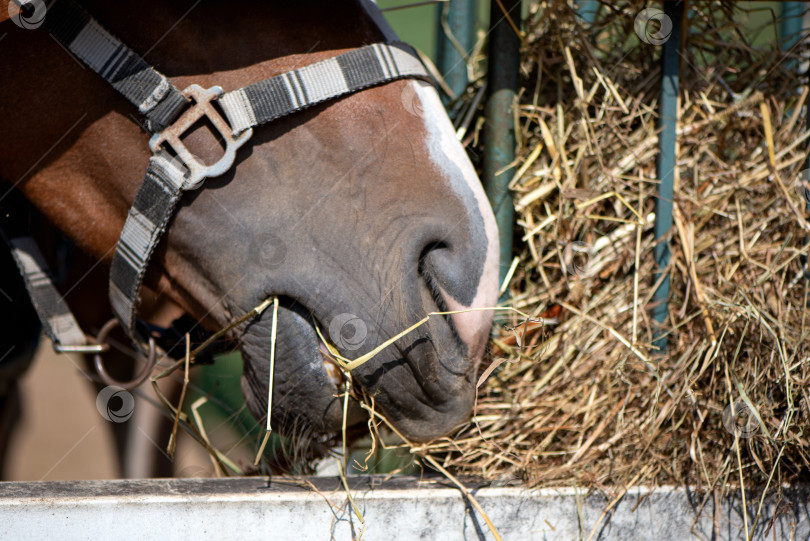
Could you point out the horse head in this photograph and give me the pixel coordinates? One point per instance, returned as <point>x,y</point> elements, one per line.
<point>362,215</point>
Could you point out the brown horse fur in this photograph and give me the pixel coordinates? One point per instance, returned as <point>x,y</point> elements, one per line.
<point>361,206</point>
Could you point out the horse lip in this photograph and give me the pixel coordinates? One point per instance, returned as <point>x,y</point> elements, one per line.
<point>329,364</point>
<point>429,399</point>
<point>314,392</point>
<point>333,370</point>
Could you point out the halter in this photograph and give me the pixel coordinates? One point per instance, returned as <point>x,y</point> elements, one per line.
<point>173,169</point>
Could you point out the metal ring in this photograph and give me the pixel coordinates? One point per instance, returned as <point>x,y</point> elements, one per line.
<point>106,378</point>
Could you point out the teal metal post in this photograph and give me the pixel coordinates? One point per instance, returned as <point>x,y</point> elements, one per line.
<point>588,9</point>
<point>452,64</point>
<point>668,122</point>
<point>791,23</point>
<point>499,130</point>
<point>792,28</point>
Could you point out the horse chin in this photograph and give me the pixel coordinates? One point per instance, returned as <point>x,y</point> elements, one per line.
<point>307,386</point>
<point>424,390</point>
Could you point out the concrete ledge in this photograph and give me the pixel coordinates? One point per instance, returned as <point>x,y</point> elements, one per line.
<point>402,508</point>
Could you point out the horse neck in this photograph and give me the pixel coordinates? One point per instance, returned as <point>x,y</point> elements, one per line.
<point>206,37</point>
<point>77,152</point>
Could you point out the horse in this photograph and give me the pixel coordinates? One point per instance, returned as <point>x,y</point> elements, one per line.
<point>361,214</point>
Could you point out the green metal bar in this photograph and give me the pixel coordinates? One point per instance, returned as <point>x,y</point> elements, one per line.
<point>499,130</point>
<point>668,122</point>
<point>452,64</point>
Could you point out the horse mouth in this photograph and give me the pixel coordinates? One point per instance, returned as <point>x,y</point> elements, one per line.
<point>308,387</point>
<point>331,365</point>
<point>409,382</point>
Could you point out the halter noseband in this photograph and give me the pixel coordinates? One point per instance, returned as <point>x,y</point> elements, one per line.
<point>173,169</point>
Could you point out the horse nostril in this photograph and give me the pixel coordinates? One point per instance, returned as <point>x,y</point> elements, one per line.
<point>457,269</point>
<point>433,256</point>
<point>458,283</point>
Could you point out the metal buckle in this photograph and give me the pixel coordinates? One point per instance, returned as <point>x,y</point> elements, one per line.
<point>202,107</point>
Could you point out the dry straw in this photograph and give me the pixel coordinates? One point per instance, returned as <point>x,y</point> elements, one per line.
<point>590,402</point>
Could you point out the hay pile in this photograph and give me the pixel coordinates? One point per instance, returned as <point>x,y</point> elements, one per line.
<point>589,401</point>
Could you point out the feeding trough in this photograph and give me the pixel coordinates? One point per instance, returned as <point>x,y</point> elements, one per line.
<point>401,508</point>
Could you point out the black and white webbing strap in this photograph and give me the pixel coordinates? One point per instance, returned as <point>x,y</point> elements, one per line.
<point>153,207</point>
<point>150,91</point>
<point>54,314</point>
<point>173,169</point>
<point>289,92</point>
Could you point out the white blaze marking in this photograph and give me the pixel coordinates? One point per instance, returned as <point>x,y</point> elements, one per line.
<point>449,156</point>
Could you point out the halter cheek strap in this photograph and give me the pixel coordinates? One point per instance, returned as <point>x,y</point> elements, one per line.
<point>173,169</point>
